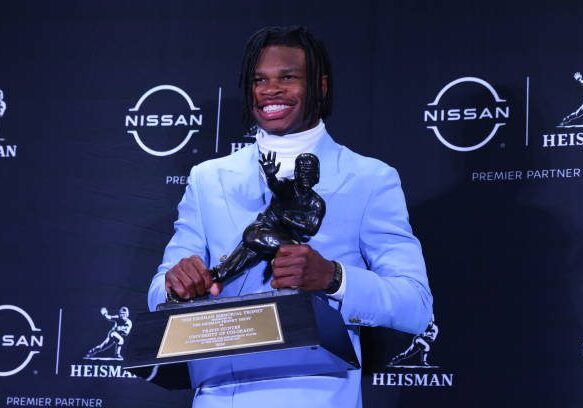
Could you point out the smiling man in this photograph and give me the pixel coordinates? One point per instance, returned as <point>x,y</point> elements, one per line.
<point>279,91</point>
<point>364,256</point>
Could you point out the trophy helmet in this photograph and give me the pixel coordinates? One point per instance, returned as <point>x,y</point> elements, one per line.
<point>307,168</point>
<point>124,311</point>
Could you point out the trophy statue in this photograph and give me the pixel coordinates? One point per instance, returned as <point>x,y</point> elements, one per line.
<point>275,334</point>
<point>294,215</point>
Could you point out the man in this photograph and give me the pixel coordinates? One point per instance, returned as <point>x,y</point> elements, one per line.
<point>364,255</point>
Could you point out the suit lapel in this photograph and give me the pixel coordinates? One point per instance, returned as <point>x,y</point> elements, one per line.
<point>243,189</point>
<point>331,179</point>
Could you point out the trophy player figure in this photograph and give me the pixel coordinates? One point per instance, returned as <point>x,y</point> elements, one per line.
<point>294,215</point>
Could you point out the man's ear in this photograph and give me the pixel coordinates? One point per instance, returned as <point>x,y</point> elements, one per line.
<point>324,85</point>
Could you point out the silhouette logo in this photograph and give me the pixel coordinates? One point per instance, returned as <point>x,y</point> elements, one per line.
<point>421,346</point>
<point>121,328</point>
<point>570,120</point>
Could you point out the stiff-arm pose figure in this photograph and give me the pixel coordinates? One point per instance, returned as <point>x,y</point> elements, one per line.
<point>579,112</point>
<point>122,326</point>
<point>294,214</point>
<point>420,344</point>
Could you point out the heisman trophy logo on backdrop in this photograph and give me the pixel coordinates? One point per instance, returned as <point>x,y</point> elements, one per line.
<point>412,367</point>
<point>2,104</point>
<point>108,350</point>
<point>571,119</point>
<point>5,150</point>
<point>570,134</point>
<point>421,344</point>
<point>121,328</point>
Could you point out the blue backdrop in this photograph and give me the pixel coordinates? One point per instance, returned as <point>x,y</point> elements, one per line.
<point>105,107</point>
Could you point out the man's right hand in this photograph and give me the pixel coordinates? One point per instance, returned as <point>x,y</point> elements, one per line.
<point>190,278</point>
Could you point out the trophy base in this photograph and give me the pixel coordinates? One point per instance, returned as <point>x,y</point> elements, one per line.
<point>221,341</point>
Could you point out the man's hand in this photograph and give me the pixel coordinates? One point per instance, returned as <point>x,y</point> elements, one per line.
<point>299,266</point>
<point>268,164</point>
<point>190,278</point>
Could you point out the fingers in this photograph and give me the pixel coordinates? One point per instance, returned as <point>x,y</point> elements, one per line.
<point>300,266</point>
<point>216,288</point>
<point>293,250</point>
<point>269,158</point>
<point>293,282</point>
<point>189,286</point>
<point>291,266</point>
<point>208,281</point>
<point>173,284</point>
<point>189,278</point>
<point>286,261</point>
<point>182,284</point>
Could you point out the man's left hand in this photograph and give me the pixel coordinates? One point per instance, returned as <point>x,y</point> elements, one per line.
<point>300,266</point>
<point>268,164</point>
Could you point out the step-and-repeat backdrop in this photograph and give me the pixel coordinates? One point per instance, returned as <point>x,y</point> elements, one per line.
<point>105,106</point>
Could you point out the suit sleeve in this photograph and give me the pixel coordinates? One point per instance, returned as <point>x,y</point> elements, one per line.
<point>393,291</point>
<point>188,239</point>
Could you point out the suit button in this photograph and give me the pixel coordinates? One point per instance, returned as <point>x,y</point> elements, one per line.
<point>354,320</point>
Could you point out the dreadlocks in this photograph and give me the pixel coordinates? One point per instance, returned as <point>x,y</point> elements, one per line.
<point>318,105</point>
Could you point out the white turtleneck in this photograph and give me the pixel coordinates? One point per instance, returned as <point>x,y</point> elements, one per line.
<point>289,146</point>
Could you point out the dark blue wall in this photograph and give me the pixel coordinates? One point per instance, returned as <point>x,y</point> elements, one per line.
<point>85,212</point>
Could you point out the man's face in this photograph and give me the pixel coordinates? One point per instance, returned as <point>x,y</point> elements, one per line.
<point>279,90</point>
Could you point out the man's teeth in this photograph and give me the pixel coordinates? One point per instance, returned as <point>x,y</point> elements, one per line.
<point>274,108</point>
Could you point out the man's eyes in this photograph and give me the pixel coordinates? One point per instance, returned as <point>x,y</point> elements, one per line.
<point>285,78</point>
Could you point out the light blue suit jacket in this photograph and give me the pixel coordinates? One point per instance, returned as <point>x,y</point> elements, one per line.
<point>366,228</point>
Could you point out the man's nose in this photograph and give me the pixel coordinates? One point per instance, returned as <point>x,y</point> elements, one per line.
<point>272,88</point>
